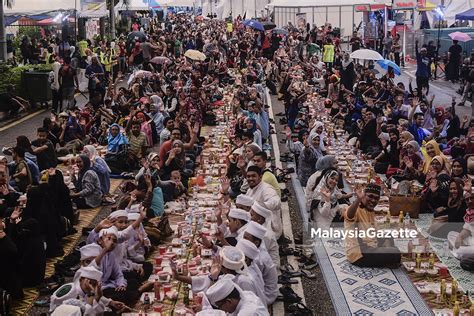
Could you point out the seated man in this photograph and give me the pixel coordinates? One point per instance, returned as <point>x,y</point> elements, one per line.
<point>367,252</point>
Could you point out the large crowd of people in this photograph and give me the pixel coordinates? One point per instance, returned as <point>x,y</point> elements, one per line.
<point>149,130</point>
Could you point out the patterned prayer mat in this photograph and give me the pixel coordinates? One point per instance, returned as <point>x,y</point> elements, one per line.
<point>86,217</point>
<point>366,291</point>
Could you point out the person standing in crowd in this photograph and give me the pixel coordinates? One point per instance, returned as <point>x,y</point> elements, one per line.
<point>422,70</point>
<point>454,60</point>
<point>396,49</point>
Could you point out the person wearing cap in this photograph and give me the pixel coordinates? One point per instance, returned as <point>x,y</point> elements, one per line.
<point>229,263</point>
<point>227,296</point>
<point>263,216</point>
<point>256,233</point>
<point>367,252</point>
<point>244,202</point>
<point>238,220</point>
<point>251,253</point>
<point>139,244</point>
<point>84,292</point>
<point>125,232</point>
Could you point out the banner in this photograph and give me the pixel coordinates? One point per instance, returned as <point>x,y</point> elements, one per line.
<point>301,20</point>
<point>92,8</point>
<point>404,4</point>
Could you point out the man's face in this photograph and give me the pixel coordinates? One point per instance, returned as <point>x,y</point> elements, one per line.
<point>253,178</point>
<point>371,200</point>
<point>419,120</point>
<point>259,162</point>
<point>175,135</point>
<point>136,129</point>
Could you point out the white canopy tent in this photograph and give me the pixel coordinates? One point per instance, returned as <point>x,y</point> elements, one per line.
<point>141,5</point>
<point>44,6</point>
<point>340,13</point>
<point>451,8</point>
<point>223,8</point>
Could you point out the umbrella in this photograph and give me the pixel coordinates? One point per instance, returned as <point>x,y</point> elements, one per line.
<point>366,54</point>
<point>280,31</point>
<point>195,55</point>
<point>460,36</point>
<point>161,60</point>
<point>385,63</point>
<point>254,24</point>
<point>136,36</point>
<point>268,25</point>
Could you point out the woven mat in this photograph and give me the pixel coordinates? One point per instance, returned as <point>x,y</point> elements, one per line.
<point>22,307</point>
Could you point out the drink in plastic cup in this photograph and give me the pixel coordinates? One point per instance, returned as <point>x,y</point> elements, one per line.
<point>167,288</point>
<point>162,250</point>
<point>158,260</point>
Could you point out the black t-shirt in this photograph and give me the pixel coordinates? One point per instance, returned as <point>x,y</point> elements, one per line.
<point>47,158</point>
<point>456,51</point>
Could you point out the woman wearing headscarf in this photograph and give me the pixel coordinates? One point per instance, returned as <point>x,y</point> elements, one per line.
<point>430,150</point>
<point>324,163</point>
<point>88,193</point>
<point>251,126</point>
<point>175,159</point>
<point>324,204</point>
<point>388,161</point>
<point>308,158</point>
<point>450,217</point>
<point>101,169</point>
<point>435,195</point>
<point>347,72</point>
<point>117,147</point>
<point>410,162</point>
<point>318,128</point>
<point>145,127</point>
<point>40,206</point>
<point>458,168</point>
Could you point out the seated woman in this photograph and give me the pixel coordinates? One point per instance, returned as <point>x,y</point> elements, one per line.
<point>88,193</point>
<point>450,217</point>
<point>430,150</point>
<point>174,159</point>
<point>117,150</point>
<point>435,196</point>
<point>463,242</point>
<point>308,157</point>
<point>325,200</point>
<point>25,232</point>
<point>410,162</point>
<point>389,159</point>
<point>101,169</point>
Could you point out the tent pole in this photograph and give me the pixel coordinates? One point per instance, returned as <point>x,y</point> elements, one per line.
<point>353,18</point>
<point>3,41</point>
<point>385,22</point>
<point>340,19</point>
<point>327,15</point>
<point>255,7</point>
<point>312,9</point>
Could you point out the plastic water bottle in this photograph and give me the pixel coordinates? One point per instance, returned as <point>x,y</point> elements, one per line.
<point>446,249</point>
<point>407,219</point>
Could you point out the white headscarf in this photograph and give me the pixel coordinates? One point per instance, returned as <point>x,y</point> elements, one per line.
<point>72,49</point>
<point>323,184</point>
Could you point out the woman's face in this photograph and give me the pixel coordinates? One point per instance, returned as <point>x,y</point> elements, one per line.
<point>79,163</point>
<point>436,165</point>
<point>114,131</point>
<point>248,124</point>
<point>453,190</point>
<point>332,181</point>
<point>430,150</point>
<point>319,130</point>
<point>410,150</point>
<point>315,141</point>
<point>457,169</point>
<point>155,162</point>
<point>249,153</point>
<point>393,137</point>
<point>178,149</point>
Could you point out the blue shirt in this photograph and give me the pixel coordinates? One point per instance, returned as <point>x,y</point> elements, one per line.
<point>417,132</point>
<point>422,63</point>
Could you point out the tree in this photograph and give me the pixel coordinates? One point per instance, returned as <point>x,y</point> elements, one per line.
<point>3,40</point>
